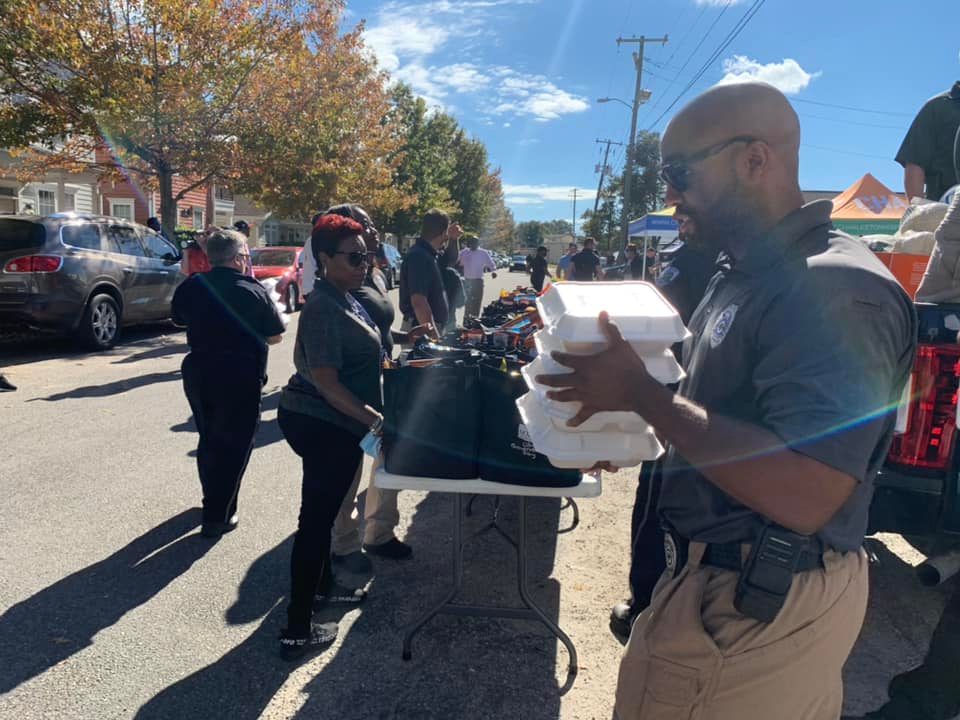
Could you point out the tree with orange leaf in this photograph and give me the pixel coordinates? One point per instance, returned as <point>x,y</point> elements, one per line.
<point>206,89</point>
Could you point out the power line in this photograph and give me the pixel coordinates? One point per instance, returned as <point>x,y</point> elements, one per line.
<point>852,122</point>
<point>692,54</point>
<point>845,152</point>
<point>731,36</point>
<point>854,109</point>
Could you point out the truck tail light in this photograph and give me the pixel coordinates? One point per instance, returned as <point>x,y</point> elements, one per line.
<point>928,438</point>
<point>34,264</point>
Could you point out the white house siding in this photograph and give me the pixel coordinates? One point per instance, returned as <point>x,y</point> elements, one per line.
<point>83,193</point>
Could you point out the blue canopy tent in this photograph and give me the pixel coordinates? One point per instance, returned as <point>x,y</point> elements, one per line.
<point>656,228</point>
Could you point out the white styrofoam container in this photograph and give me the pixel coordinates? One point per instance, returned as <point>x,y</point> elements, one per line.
<point>560,412</point>
<point>661,364</point>
<point>570,311</point>
<point>580,450</point>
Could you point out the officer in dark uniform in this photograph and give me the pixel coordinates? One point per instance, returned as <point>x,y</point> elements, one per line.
<point>683,282</point>
<point>230,321</point>
<point>928,152</point>
<point>800,350</point>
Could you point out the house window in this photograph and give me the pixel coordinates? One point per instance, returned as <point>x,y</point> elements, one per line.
<point>122,209</point>
<point>198,218</point>
<point>69,202</point>
<point>46,202</point>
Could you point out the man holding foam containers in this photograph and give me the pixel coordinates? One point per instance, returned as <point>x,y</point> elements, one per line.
<point>799,352</point>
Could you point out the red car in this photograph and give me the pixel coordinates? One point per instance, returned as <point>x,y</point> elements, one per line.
<point>278,268</point>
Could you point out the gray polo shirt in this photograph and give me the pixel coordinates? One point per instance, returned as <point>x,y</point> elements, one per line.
<point>332,335</point>
<point>809,336</point>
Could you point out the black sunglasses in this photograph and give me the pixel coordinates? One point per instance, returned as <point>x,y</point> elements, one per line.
<point>356,259</point>
<point>677,173</point>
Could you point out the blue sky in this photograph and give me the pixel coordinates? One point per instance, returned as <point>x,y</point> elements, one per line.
<point>524,76</point>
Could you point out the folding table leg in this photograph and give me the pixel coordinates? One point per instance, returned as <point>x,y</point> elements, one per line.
<point>525,592</point>
<point>457,578</point>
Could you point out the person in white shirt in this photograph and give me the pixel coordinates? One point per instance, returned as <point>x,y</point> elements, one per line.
<point>475,261</point>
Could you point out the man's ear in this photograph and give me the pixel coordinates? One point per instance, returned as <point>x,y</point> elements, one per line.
<point>755,161</point>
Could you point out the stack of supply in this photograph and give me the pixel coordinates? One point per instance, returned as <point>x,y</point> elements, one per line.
<point>569,313</point>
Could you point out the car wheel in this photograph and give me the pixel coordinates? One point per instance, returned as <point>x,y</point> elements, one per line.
<point>292,298</point>
<point>100,327</point>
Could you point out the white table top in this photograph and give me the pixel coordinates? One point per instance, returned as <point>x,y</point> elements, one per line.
<point>590,486</point>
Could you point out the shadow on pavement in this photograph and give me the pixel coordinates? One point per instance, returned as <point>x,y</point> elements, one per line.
<point>62,619</point>
<point>239,685</point>
<point>461,668</point>
<point>114,388</point>
<point>901,616</point>
<point>167,350</point>
<point>22,349</point>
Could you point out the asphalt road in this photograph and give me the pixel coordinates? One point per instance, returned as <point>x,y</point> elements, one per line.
<point>114,607</point>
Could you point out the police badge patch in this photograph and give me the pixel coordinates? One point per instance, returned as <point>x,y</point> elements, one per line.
<point>722,326</point>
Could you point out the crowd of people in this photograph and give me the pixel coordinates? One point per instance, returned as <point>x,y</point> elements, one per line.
<point>748,580</point>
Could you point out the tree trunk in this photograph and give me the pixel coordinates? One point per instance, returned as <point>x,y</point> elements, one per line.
<point>168,206</point>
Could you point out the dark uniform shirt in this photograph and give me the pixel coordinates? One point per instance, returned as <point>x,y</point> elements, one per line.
<point>332,334</point>
<point>227,313</point>
<point>930,142</point>
<point>420,275</point>
<point>379,308</point>
<point>684,280</point>
<point>809,336</point>
<point>538,269</point>
<point>585,265</point>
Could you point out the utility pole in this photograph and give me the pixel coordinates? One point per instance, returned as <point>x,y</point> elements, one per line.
<point>574,214</point>
<point>603,171</point>
<point>639,97</point>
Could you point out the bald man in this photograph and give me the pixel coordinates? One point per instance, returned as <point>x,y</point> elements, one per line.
<point>800,349</point>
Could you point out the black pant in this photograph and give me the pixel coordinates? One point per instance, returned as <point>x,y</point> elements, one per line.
<point>537,281</point>
<point>330,457</point>
<point>931,691</point>
<point>647,561</point>
<point>224,395</point>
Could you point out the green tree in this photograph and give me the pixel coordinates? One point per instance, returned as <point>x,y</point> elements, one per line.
<point>164,86</point>
<point>557,227</point>
<point>497,229</point>
<point>529,234</point>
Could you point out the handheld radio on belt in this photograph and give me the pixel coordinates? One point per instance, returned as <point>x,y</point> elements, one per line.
<point>768,573</point>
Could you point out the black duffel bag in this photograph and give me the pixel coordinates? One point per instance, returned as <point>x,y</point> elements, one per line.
<point>432,421</point>
<point>506,453</point>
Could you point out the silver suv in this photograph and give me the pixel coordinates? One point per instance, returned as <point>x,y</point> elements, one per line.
<point>83,274</point>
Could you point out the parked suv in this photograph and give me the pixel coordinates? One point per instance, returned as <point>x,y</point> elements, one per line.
<point>83,274</point>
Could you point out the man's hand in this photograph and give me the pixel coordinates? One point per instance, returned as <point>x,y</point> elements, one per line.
<point>608,381</point>
<point>420,330</point>
<point>454,232</point>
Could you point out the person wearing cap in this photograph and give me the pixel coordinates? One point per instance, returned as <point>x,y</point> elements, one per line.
<point>800,350</point>
<point>929,150</point>
<point>230,323</point>
<point>563,267</point>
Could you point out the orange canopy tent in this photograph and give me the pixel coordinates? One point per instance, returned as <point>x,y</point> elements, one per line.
<point>868,207</point>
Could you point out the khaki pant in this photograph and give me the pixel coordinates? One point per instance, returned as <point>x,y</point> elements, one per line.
<point>692,656</point>
<point>473,289</point>
<point>381,516</point>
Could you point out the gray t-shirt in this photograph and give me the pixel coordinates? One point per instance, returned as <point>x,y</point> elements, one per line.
<point>333,335</point>
<point>809,336</point>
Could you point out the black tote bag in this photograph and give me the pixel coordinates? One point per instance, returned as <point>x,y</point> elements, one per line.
<point>506,453</point>
<point>432,421</point>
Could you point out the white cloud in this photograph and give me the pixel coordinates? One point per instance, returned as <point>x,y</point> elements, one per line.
<point>786,75</point>
<point>539,194</point>
<point>536,96</point>
<point>406,35</point>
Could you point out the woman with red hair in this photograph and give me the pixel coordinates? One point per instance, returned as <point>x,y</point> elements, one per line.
<point>329,404</point>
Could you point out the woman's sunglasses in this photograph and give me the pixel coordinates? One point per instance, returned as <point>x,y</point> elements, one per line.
<point>355,259</point>
<point>677,173</point>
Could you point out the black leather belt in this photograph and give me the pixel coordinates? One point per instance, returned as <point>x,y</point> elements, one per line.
<point>728,556</point>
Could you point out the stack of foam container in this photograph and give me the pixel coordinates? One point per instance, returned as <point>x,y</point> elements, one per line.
<point>570,314</point>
